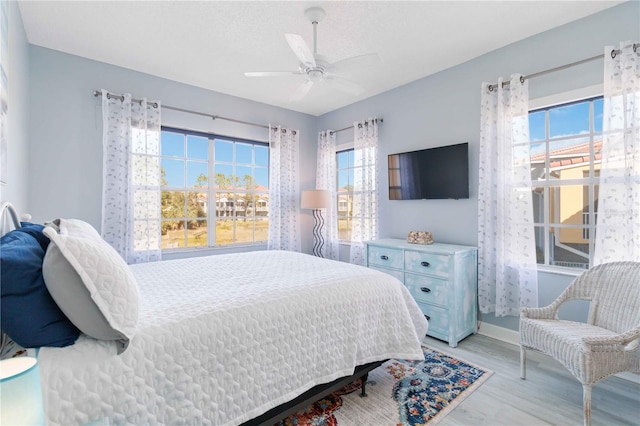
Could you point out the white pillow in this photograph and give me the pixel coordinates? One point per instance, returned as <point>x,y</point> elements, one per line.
<point>90,282</point>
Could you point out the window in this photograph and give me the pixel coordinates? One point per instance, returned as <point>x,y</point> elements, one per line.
<point>345,169</point>
<point>566,142</point>
<point>199,167</point>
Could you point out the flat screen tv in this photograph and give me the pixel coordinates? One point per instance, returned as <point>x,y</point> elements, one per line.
<point>434,173</point>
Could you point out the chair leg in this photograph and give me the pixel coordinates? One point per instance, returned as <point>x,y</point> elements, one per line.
<point>586,404</point>
<point>523,363</point>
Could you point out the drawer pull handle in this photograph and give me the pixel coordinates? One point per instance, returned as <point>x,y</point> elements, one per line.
<point>425,289</point>
<point>428,317</point>
<point>384,257</point>
<point>425,264</point>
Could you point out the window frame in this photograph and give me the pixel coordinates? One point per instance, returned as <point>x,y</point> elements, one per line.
<point>211,189</point>
<point>564,99</point>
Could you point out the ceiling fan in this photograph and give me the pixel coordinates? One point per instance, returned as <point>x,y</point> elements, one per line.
<point>315,67</point>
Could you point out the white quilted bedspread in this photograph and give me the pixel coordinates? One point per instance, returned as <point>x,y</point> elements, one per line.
<point>223,339</point>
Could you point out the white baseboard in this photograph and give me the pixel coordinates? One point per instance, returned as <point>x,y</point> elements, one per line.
<point>500,333</point>
<point>513,337</point>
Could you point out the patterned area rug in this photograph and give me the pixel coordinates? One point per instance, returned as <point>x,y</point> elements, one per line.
<point>399,393</point>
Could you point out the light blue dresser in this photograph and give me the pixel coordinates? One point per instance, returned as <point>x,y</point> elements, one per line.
<point>442,278</point>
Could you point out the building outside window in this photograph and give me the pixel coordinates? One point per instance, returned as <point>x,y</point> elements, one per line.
<point>215,190</point>
<point>566,142</point>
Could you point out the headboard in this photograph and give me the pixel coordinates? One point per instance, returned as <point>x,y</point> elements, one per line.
<point>9,218</point>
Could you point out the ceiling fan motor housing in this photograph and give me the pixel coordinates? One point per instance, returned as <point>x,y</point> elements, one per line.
<point>315,14</point>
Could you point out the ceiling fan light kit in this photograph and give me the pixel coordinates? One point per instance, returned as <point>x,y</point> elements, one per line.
<point>315,67</point>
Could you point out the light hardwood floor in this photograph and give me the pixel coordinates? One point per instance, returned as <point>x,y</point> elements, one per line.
<point>549,396</point>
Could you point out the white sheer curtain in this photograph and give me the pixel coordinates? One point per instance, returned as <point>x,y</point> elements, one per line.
<point>618,221</point>
<point>507,271</point>
<point>131,177</point>
<point>365,188</point>
<point>284,190</point>
<point>326,179</point>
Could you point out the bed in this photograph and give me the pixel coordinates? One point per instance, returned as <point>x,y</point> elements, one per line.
<point>232,339</point>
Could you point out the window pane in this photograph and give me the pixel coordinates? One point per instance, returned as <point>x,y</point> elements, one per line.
<point>173,204</point>
<point>196,204</point>
<point>262,178</point>
<point>344,229</point>
<point>567,159</point>
<point>343,179</point>
<point>570,255</point>
<point>145,235</point>
<point>197,233</point>
<point>241,201</point>
<point>197,174</point>
<point>172,173</point>
<point>145,170</point>
<point>343,159</point>
<point>197,147</point>
<point>597,115</point>
<point>224,151</point>
<point>244,229</point>
<point>262,156</point>
<point>244,153</point>
<point>172,234</point>
<point>224,204</point>
<point>566,205</point>
<point>245,178</point>
<point>224,231</point>
<point>344,204</point>
<point>261,205</point>
<point>569,120</point>
<point>568,213</point>
<point>537,126</point>
<point>261,231</point>
<point>172,144</point>
<point>224,176</point>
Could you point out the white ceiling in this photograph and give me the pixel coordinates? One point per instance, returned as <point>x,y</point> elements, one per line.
<point>210,44</point>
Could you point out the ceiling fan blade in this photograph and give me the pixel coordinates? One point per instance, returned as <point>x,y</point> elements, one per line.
<point>355,62</point>
<point>301,91</point>
<point>344,85</point>
<point>271,73</point>
<point>302,51</point>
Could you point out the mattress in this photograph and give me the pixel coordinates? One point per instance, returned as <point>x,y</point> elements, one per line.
<point>223,339</point>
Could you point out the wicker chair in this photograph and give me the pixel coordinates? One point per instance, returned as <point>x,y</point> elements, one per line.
<point>607,344</point>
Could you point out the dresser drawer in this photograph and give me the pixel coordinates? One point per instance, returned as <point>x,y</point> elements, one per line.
<point>426,263</point>
<point>383,256</point>
<point>438,318</point>
<point>393,272</point>
<point>427,289</point>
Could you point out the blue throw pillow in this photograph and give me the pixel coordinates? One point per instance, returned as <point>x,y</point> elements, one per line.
<point>35,230</point>
<point>28,313</point>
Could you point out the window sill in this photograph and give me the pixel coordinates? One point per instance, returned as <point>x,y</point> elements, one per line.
<point>206,251</point>
<point>571,272</point>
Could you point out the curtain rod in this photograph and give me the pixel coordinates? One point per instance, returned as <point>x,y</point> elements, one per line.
<point>380,120</point>
<point>97,93</point>
<point>614,52</point>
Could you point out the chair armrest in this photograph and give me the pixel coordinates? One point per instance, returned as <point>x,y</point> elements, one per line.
<point>618,342</point>
<point>547,312</point>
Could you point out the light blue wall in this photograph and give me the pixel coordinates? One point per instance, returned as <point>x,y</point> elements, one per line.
<point>17,188</point>
<point>444,109</point>
<point>66,129</point>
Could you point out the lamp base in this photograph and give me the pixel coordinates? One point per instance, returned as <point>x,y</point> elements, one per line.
<point>317,233</point>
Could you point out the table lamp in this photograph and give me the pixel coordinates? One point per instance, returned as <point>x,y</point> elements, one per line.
<point>20,392</point>
<point>316,199</point>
